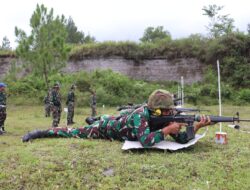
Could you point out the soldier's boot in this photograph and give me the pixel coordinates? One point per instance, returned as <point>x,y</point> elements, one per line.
<point>2,130</point>
<point>91,120</point>
<point>35,134</point>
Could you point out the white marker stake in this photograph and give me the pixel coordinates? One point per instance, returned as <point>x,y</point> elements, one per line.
<point>182,91</point>
<point>219,91</point>
<point>220,137</point>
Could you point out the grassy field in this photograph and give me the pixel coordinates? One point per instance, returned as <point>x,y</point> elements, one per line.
<point>99,164</point>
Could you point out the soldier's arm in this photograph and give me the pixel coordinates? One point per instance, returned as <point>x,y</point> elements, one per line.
<point>144,135</point>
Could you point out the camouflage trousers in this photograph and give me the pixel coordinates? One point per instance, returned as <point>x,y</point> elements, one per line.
<point>56,114</point>
<point>70,115</point>
<point>93,110</point>
<point>3,116</point>
<point>47,109</point>
<point>108,127</point>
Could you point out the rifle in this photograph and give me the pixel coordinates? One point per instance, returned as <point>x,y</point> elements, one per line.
<point>129,107</point>
<point>181,110</point>
<point>159,122</point>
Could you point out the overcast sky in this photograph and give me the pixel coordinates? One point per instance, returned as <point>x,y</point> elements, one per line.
<point>121,20</point>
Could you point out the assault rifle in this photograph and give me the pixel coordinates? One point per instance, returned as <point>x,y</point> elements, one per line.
<point>159,122</point>
<point>178,110</point>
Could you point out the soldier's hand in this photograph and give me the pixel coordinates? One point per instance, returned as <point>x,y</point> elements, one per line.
<point>205,120</point>
<point>173,128</point>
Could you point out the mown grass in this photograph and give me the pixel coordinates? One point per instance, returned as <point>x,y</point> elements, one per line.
<point>99,164</point>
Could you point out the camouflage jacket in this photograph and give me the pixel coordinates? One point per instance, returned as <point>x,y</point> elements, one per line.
<point>55,98</point>
<point>2,98</point>
<point>71,97</point>
<point>131,125</point>
<point>46,99</point>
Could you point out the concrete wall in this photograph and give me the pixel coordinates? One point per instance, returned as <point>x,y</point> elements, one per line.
<point>150,70</point>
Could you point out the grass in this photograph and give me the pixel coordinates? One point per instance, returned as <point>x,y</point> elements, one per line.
<point>99,164</point>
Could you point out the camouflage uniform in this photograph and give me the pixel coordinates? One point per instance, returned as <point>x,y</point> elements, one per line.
<point>56,107</point>
<point>71,105</point>
<point>47,105</point>
<point>93,104</point>
<point>3,113</point>
<point>131,124</point>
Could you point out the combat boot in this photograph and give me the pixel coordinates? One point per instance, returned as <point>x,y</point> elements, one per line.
<point>34,135</point>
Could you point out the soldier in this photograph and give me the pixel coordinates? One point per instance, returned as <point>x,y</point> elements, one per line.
<point>47,106</point>
<point>71,105</point>
<point>3,114</point>
<point>133,125</point>
<point>56,106</point>
<point>93,103</point>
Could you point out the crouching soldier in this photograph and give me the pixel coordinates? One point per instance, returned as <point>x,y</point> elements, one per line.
<point>3,114</point>
<point>56,106</point>
<point>71,105</point>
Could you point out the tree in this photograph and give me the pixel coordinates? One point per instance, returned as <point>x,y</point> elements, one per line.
<point>5,44</point>
<point>248,28</point>
<point>219,24</point>
<point>152,34</point>
<point>44,51</point>
<point>75,36</point>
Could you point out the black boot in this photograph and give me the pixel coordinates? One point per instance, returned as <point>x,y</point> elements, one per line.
<point>91,120</point>
<point>34,135</point>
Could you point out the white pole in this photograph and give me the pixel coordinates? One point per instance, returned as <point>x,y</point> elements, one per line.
<point>219,90</point>
<point>182,91</point>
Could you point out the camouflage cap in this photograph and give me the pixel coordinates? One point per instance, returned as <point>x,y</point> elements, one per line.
<point>160,99</point>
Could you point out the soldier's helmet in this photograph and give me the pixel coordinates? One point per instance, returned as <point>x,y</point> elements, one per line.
<point>73,86</point>
<point>160,99</point>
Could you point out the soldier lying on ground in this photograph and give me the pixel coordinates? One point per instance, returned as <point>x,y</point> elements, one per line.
<point>130,125</point>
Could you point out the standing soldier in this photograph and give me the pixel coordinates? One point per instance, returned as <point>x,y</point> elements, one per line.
<point>71,105</point>
<point>47,106</point>
<point>93,103</point>
<point>2,107</point>
<point>56,106</point>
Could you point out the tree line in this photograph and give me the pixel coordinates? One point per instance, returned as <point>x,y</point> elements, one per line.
<point>55,39</point>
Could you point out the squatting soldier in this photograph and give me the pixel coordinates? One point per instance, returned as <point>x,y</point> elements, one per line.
<point>71,105</point>
<point>47,105</point>
<point>133,125</point>
<point>56,106</point>
<point>93,103</point>
<point>3,114</point>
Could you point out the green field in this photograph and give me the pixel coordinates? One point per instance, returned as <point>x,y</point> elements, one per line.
<point>99,164</point>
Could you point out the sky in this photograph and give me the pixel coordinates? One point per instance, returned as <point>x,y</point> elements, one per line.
<point>122,20</point>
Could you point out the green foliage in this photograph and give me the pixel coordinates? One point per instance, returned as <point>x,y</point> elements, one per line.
<point>152,34</point>
<point>5,44</point>
<point>44,51</point>
<point>76,37</point>
<point>243,96</point>
<point>219,24</point>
